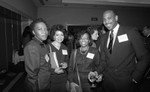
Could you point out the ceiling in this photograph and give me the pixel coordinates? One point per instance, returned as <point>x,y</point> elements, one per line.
<point>91,3</point>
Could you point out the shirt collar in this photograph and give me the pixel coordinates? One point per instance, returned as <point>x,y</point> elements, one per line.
<point>115,30</point>
<point>148,35</point>
<point>37,40</point>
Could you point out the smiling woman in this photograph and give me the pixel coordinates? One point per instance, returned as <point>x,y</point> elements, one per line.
<point>76,28</point>
<point>86,63</point>
<point>60,62</point>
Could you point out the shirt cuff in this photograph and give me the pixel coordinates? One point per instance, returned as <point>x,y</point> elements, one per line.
<point>134,80</point>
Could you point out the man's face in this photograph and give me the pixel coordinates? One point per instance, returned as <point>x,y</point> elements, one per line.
<point>110,19</point>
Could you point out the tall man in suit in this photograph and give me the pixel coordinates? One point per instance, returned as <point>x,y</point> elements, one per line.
<point>146,33</point>
<point>125,59</point>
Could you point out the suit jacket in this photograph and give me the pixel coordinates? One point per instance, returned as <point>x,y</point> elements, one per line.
<point>85,63</point>
<point>129,57</point>
<point>37,65</point>
<point>147,43</point>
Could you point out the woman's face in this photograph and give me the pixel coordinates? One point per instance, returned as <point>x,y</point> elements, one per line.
<point>145,31</point>
<point>59,36</point>
<point>40,31</point>
<point>84,40</point>
<point>95,35</point>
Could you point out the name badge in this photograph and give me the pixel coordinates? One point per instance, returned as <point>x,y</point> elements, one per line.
<point>90,55</point>
<point>46,58</point>
<point>64,52</point>
<point>123,38</point>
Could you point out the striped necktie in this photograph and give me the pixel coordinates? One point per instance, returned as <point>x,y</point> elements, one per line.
<point>110,42</point>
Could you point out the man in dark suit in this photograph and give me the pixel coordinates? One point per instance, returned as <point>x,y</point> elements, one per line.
<point>125,58</point>
<point>146,33</point>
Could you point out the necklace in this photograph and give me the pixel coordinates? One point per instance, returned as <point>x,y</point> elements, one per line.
<point>83,51</point>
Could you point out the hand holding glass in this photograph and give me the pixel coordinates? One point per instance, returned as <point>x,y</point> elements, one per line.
<point>92,76</point>
<point>59,70</point>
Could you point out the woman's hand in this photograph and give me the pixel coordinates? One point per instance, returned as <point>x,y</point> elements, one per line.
<point>72,87</point>
<point>99,78</point>
<point>59,70</point>
<point>92,76</point>
<point>63,65</point>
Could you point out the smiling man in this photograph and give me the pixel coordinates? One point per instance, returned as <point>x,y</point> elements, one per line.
<point>124,54</point>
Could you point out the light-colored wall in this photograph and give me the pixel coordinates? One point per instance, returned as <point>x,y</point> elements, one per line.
<point>132,16</point>
<point>25,8</point>
<point>62,15</point>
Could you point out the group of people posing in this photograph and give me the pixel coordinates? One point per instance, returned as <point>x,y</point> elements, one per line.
<point>118,60</point>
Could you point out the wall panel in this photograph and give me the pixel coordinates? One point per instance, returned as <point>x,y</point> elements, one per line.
<point>10,35</point>
<point>3,57</point>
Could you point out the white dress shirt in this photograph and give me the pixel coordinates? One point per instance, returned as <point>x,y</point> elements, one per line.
<point>115,31</point>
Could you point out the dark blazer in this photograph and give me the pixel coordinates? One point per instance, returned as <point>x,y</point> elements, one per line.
<point>147,43</point>
<point>128,60</point>
<point>85,64</point>
<point>37,65</point>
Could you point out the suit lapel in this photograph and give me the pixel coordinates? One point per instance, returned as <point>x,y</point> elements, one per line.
<point>116,44</point>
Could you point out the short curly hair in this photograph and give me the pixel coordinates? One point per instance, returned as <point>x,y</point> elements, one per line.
<point>92,28</point>
<point>57,27</point>
<point>38,20</point>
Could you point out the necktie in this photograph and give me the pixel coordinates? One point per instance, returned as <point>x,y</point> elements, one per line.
<point>110,42</point>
